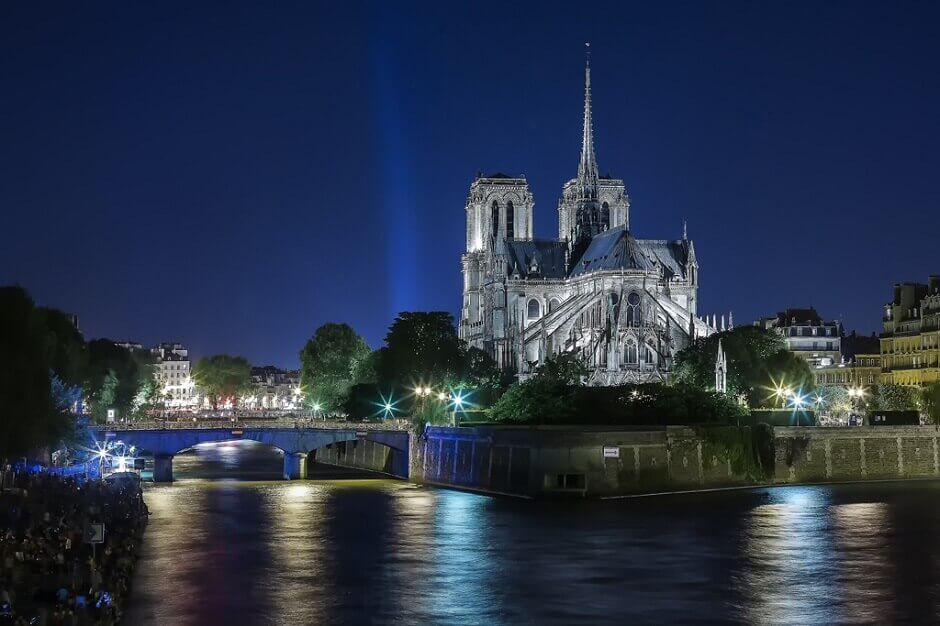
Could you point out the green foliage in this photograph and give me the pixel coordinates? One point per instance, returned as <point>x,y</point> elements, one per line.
<point>930,401</point>
<point>543,401</point>
<point>757,361</point>
<point>29,417</point>
<point>564,368</point>
<point>222,377</point>
<point>894,398</point>
<point>331,362</point>
<point>836,401</point>
<point>122,370</point>
<point>750,450</point>
<point>420,348</point>
<point>65,346</point>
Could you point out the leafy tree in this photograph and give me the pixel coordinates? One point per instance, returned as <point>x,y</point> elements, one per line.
<point>894,398</point>
<point>836,401</point>
<point>757,361</point>
<point>331,362</point>
<point>543,401</point>
<point>930,401</point>
<point>564,368</point>
<point>421,347</point>
<point>222,376</point>
<point>29,417</point>
<point>121,369</point>
<point>65,346</point>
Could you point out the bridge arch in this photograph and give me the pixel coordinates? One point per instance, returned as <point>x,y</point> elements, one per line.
<point>295,443</point>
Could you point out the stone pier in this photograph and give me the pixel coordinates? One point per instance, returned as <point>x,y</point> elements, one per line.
<point>295,465</point>
<point>163,468</point>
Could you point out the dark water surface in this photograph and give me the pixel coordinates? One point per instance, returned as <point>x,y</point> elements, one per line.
<point>353,551</point>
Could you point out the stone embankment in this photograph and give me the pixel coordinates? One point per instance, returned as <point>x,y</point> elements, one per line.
<point>605,462</point>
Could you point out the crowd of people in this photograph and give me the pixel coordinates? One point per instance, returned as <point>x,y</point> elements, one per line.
<point>49,572</point>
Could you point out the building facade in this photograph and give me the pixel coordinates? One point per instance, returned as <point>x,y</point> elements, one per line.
<point>860,366</point>
<point>274,388</point>
<point>624,305</point>
<point>808,336</point>
<point>172,375</point>
<point>910,343</point>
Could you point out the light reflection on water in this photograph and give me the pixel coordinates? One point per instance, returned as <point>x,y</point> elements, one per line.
<point>341,551</point>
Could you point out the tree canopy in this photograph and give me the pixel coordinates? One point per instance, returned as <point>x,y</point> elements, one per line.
<point>757,361</point>
<point>222,377</point>
<point>28,412</point>
<point>332,360</point>
<point>114,377</point>
<point>420,347</point>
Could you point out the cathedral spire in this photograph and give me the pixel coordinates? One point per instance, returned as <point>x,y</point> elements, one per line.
<point>587,168</point>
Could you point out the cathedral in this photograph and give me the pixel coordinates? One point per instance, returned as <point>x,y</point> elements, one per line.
<point>624,305</point>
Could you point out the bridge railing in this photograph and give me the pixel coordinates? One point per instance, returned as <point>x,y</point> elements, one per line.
<point>239,424</point>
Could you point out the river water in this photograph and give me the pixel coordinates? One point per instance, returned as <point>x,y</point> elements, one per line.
<point>230,543</point>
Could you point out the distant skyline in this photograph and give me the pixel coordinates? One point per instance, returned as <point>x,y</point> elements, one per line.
<point>232,176</point>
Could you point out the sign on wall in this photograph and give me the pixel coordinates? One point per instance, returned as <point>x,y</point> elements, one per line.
<point>611,452</point>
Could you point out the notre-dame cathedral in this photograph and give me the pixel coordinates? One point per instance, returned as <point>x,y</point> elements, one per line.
<point>624,305</point>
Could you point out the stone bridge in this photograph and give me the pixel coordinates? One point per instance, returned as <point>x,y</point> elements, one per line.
<point>296,442</point>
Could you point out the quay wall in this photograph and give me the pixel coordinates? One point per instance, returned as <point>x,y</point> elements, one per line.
<point>605,462</point>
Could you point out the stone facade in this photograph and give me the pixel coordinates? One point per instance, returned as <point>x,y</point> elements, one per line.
<point>910,343</point>
<point>626,306</point>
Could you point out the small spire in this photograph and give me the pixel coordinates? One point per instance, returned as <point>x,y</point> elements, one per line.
<point>685,230</point>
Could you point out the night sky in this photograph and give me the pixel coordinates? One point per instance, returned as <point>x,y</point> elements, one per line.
<point>233,176</point>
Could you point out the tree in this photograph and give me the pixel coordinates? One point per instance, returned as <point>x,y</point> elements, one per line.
<point>29,417</point>
<point>66,349</point>
<point>757,362</point>
<point>330,363</point>
<point>222,377</point>
<point>564,368</point>
<point>894,398</point>
<point>421,347</point>
<point>930,400</point>
<point>122,370</point>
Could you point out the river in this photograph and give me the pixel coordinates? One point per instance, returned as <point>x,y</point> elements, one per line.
<point>231,543</point>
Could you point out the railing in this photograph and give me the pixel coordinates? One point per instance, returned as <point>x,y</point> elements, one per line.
<point>240,424</point>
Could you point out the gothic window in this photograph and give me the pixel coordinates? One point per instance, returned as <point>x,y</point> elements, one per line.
<point>510,217</point>
<point>631,353</point>
<point>633,309</point>
<point>650,354</point>
<point>605,216</point>
<point>495,212</point>
<point>553,304</point>
<point>535,310</point>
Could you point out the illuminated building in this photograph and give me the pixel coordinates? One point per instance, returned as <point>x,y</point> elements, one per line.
<point>808,336</point>
<point>624,305</point>
<point>172,375</point>
<point>910,343</point>
<point>860,366</point>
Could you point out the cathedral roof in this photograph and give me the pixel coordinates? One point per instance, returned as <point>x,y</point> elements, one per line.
<point>536,258</point>
<point>617,249</point>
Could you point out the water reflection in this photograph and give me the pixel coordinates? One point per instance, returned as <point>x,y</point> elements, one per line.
<point>378,551</point>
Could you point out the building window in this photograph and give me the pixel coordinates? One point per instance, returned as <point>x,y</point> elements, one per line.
<point>605,215</point>
<point>510,220</point>
<point>633,309</point>
<point>495,218</point>
<point>535,309</point>
<point>553,304</point>
<point>650,354</point>
<point>631,353</point>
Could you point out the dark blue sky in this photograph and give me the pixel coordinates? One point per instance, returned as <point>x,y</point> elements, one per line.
<point>232,176</point>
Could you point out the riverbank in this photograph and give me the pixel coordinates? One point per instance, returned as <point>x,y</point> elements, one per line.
<point>49,572</point>
<point>605,462</point>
